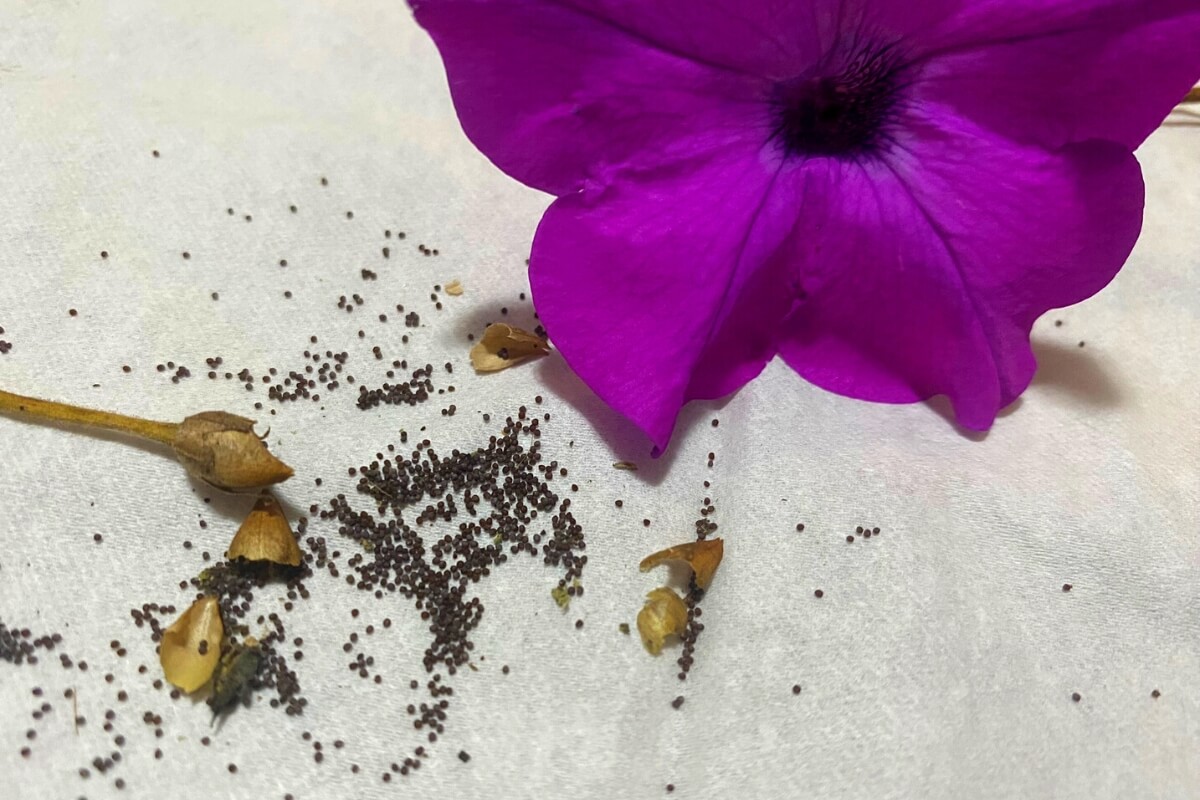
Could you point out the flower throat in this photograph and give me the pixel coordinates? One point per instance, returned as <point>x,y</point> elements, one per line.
<point>843,114</point>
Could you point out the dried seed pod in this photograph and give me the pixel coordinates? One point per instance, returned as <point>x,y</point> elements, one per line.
<point>224,451</point>
<point>191,647</point>
<point>703,557</point>
<point>265,535</point>
<point>503,346</point>
<point>218,448</point>
<point>231,679</point>
<point>663,615</point>
<point>454,288</point>
<point>625,465</point>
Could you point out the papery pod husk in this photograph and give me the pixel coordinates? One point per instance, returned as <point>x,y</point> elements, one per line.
<point>663,615</point>
<point>180,651</point>
<point>223,450</point>
<point>266,535</point>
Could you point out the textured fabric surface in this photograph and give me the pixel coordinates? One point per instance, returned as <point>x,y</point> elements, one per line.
<point>940,662</point>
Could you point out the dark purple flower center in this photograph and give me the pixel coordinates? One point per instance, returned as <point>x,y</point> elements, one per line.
<point>838,112</point>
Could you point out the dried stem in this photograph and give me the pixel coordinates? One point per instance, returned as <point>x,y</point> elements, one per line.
<point>1193,96</point>
<point>163,432</point>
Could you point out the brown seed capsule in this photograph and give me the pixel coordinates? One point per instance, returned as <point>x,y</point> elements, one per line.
<point>180,652</point>
<point>663,615</point>
<point>265,535</point>
<point>703,557</point>
<point>503,346</point>
<point>224,451</point>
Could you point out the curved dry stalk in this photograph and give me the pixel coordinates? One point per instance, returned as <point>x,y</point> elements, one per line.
<point>218,448</point>
<point>162,432</point>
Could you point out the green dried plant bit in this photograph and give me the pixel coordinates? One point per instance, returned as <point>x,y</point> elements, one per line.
<point>231,679</point>
<point>559,593</point>
<point>624,628</point>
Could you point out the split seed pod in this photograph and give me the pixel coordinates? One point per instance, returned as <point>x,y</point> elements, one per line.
<point>503,346</point>
<point>191,647</point>
<point>265,535</point>
<point>703,557</point>
<point>224,451</point>
<point>664,614</point>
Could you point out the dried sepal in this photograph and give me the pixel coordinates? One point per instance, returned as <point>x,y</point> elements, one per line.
<point>224,451</point>
<point>454,288</point>
<point>663,615</point>
<point>628,466</point>
<point>265,535</point>
<point>502,346</point>
<point>191,647</point>
<point>231,679</point>
<point>703,557</point>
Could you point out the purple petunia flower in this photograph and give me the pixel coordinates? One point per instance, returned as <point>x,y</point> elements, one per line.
<point>885,193</point>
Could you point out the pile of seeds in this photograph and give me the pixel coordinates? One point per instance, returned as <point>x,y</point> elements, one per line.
<point>417,389</point>
<point>502,495</point>
<point>4,346</point>
<point>20,646</point>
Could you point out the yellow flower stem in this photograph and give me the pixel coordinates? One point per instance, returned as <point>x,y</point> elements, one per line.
<point>46,409</point>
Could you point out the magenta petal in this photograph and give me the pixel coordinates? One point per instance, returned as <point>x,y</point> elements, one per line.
<point>557,97</point>
<point>1058,71</point>
<point>637,281</point>
<point>924,274</point>
<point>763,37</point>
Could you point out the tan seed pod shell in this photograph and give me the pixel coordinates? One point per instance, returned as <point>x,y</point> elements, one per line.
<point>503,346</point>
<point>703,557</point>
<point>191,647</point>
<point>663,615</point>
<point>265,535</point>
